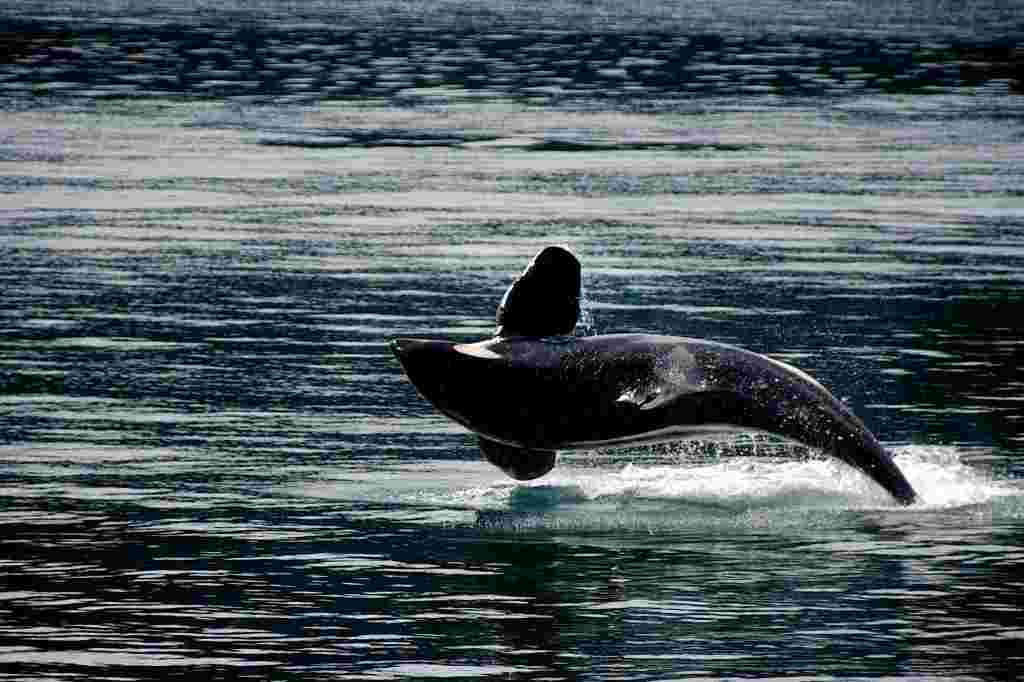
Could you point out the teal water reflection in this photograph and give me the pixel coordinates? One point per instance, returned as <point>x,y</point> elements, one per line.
<point>211,466</point>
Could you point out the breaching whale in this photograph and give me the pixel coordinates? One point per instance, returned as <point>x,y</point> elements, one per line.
<point>534,389</point>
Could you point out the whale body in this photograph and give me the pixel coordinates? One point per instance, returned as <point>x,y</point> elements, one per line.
<point>533,389</point>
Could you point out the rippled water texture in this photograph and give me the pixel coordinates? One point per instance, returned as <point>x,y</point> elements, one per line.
<point>212,468</point>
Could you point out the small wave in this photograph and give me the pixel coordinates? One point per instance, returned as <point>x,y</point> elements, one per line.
<point>943,479</point>
<point>659,489</point>
<point>741,492</point>
<point>736,493</point>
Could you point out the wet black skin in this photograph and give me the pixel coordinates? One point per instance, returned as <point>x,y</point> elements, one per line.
<point>527,397</point>
<point>533,389</point>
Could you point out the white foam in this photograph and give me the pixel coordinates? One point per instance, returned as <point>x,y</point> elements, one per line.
<point>943,479</point>
<point>671,490</point>
<point>737,482</point>
<point>736,492</point>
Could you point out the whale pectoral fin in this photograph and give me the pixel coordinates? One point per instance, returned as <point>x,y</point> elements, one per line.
<point>522,464</point>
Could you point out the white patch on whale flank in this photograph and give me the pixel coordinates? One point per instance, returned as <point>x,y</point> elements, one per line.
<point>478,350</point>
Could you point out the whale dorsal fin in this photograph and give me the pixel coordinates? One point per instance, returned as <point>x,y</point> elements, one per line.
<point>545,299</point>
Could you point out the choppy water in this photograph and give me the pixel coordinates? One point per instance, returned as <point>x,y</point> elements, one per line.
<point>211,467</point>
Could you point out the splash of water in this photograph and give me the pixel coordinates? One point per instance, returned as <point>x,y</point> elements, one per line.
<point>944,480</point>
<point>735,487</point>
<point>740,492</point>
<point>585,326</point>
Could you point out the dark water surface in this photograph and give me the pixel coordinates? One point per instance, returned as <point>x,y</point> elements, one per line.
<point>211,467</point>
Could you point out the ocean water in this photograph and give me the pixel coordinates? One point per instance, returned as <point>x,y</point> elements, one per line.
<point>214,217</point>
